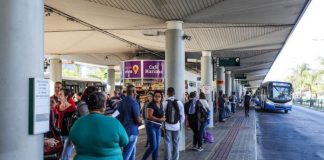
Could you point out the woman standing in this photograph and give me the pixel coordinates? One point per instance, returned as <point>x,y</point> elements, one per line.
<point>144,114</point>
<point>66,109</point>
<point>93,135</point>
<point>203,101</point>
<point>155,117</point>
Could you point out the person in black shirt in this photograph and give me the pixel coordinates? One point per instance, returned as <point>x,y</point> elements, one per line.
<point>221,106</point>
<point>155,118</point>
<point>247,99</point>
<point>193,122</point>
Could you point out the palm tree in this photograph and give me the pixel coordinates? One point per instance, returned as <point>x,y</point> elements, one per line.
<point>297,78</point>
<point>311,80</point>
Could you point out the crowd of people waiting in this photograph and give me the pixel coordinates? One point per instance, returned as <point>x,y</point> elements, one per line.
<point>101,127</point>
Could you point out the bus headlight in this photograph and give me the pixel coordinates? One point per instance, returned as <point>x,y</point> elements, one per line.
<point>289,103</point>
<point>269,102</point>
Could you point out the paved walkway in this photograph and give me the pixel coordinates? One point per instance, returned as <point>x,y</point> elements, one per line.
<point>234,140</point>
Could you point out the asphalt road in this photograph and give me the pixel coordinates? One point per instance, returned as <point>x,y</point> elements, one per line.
<point>298,135</point>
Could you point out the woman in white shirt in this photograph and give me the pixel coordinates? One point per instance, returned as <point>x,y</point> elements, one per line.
<point>203,101</point>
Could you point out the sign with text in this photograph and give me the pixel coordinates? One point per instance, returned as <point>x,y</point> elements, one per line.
<point>247,85</point>
<point>227,61</point>
<point>244,82</point>
<point>153,69</point>
<point>39,105</point>
<point>132,69</point>
<point>239,76</point>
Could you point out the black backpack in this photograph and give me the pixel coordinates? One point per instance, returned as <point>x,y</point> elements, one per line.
<point>231,99</point>
<point>201,112</point>
<point>172,112</point>
<point>72,119</point>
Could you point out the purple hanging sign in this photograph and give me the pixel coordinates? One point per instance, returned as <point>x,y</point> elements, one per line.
<point>153,69</point>
<point>132,69</point>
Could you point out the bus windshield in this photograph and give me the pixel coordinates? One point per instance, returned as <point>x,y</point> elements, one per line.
<point>281,93</point>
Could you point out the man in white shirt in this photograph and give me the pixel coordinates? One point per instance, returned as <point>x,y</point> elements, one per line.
<point>174,114</point>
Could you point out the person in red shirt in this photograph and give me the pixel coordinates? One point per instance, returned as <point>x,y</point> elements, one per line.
<point>66,108</point>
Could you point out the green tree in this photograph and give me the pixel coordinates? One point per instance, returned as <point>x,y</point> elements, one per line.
<point>297,77</point>
<point>100,73</point>
<point>306,79</point>
<point>71,70</point>
<point>311,81</point>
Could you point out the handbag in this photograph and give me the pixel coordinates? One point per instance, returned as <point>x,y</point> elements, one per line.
<point>53,145</point>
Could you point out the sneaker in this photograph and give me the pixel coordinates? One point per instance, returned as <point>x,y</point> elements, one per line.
<point>199,149</point>
<point>194,148</point>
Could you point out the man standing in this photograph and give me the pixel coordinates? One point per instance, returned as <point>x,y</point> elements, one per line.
<point>232,102</point>
<point>130,118</point>
<point>221,106</point>
<point>247,99</point>
<point>192,108</point>
<point>174,114</point>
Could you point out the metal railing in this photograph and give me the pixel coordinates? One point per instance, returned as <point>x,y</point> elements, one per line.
<point>310,102</point>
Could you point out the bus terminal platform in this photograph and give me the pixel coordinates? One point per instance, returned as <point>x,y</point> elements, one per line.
<point>234,140</point>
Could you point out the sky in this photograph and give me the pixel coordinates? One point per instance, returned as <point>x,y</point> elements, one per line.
<point>305,45</point>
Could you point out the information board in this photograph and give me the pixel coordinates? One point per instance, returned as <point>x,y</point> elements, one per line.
<point>227,61</point>
<point>39,105</point>
<point>244,82</point>
<point>239,76</point>
<point>132,69</point>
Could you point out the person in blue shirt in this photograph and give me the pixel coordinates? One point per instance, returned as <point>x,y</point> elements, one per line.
<point>130,118</point>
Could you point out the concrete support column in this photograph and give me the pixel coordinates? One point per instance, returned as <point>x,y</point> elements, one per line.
<point>83,71</point>
<point>237,84</point>
<point>21,58</point>
<point>228,83</point>
<point>240,88</point>
<point>55,69</point>
<point>233,84</point>
<point>111,79</point>
<point>207,80</point>
<point>175,65</point>
<point>220,79</point>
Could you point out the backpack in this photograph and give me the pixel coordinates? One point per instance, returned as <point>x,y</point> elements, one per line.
<point>172,112</point>
<point>208,137</point>
<point>201,112</point>
<point>71,120</point>
<point>231,99</point>
<point>74,117</point>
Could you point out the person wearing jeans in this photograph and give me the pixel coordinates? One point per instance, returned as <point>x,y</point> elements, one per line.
<point>68,148</point>
<point>130,149</point>
<point>172,142</point>
<point>130,118</point>
<point>221,107</point>
<point>155,117</point>
<point>192,120</point>
<point>154,134</point>
<point>247,100</point>
<point>172,131</point>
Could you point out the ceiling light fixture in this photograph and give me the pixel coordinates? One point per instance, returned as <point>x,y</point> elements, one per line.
<point>152,33</point>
